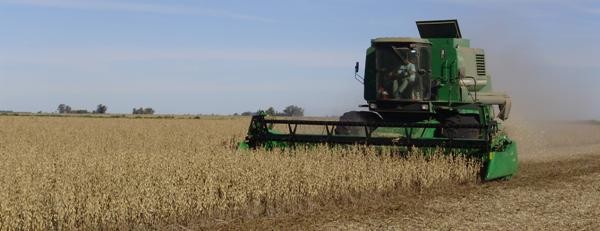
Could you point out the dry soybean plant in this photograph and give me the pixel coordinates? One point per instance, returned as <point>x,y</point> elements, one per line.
<point>106,173</point>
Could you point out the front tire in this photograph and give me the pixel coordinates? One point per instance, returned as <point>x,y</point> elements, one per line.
<point>448,131</point>
<point>357,116</point>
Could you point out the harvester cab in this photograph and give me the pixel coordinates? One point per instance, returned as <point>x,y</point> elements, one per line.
<point>427,92</point>
<point>411,77</point>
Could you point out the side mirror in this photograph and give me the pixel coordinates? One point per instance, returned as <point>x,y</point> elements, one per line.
<point>356,68</point>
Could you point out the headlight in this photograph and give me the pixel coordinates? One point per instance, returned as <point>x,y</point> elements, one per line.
<point>425,107</point>
<point>373,106</point>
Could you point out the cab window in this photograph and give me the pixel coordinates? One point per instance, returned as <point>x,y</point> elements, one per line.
<point>398,73</point>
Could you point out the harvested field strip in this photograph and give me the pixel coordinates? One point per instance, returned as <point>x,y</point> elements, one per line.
<point>82,173</point>
<point>556,195</point>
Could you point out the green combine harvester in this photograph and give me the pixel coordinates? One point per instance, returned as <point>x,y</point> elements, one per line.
<point>429,92</point>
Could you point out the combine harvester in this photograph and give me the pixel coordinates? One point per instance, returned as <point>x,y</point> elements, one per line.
<point>429,92</point>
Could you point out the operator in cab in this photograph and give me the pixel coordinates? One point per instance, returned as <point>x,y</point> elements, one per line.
<point>400,80</point>
<point>407,75</point>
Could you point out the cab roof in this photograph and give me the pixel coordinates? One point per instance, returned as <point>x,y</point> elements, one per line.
<point>439,29</point>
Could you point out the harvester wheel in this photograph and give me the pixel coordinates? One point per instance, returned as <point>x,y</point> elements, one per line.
<point>466,133</point>
<point>357,116</point>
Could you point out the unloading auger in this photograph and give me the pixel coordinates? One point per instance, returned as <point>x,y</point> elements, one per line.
<point>428,92</point>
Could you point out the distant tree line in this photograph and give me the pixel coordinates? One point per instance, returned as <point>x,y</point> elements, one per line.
<point>66,109</point>
<point>291,110</point>
<point>100,109</point>
<point>143,111</point>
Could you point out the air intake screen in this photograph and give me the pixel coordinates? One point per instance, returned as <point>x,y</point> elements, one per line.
<point>480,62</point>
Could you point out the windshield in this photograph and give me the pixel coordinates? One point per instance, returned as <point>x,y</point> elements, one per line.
<point>399,75</point>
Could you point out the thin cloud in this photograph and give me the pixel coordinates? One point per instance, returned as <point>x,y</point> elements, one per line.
<point>513,3</point>
<point>590,10</point>
<point>94,57</point>
<point>135,7</point>
<point>507,2</point>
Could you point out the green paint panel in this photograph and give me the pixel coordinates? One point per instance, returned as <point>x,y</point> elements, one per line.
<point>502,164</point>
<point>445,67</point>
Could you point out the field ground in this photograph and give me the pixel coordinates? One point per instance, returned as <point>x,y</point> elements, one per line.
<point>557,188</point>
<point>181,174</point>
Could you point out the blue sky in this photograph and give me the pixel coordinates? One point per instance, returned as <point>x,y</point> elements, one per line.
<point>233,56</point>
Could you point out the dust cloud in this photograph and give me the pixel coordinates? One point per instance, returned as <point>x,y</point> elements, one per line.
<point>552,101</point>
<point>524,64</point>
